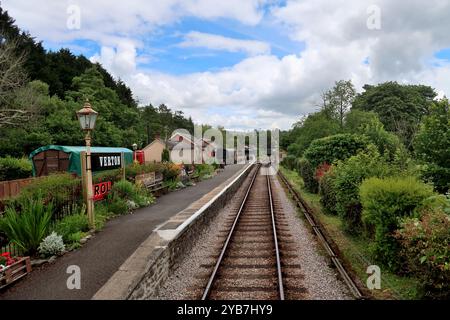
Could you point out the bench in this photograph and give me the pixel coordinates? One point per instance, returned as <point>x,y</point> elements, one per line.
<point>153,181</point>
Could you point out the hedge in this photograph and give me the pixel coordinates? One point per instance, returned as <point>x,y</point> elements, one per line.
<point>13,168</point>
<point>349,175</point>
<point>307,172</point>
<point>385,202</point>
<point>327,191</point>
<point>332,148</point>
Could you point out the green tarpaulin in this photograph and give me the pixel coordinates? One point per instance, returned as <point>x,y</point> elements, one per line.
<point>75,155</point>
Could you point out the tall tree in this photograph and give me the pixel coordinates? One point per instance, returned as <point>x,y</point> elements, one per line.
<point>17,102</point>
<point>399,107</point>
<point>432,145</point>
<point>338,100</point>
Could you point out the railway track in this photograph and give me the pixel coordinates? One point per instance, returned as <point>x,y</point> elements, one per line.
<point>255,260</point>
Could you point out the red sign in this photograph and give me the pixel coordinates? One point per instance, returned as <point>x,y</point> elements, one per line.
<point>101,190</point>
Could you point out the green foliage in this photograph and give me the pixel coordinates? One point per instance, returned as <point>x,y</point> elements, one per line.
<point>117,206</point>
<point>165,157</point>
<point>128,191</point>
<point>70,225</point>
<point>289,162</point>
<point>400,107</point>
<point>355,120</point>
<point>432,146</point>
<point>12,168</point>
<point>348,177</point>
<point>327,191</point>
<point>424,246</point>
<point>385,202</point>
<point>124,189</point>
<point>110,175</point>
<point>387,143</point>
<point>338,100</point>
<point>29,226</point>
<point>314,126</point>
<point>58,188</point>
<point>204,170</point>
<point>332,148</point>
<point>307,172</point>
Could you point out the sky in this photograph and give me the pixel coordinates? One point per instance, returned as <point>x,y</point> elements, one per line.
<point>248,64</point>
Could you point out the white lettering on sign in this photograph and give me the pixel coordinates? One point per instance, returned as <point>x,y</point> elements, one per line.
<point>110,161</point>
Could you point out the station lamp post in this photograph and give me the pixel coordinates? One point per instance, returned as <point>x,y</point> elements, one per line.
<point>87,117</point>
<point>134,152</point>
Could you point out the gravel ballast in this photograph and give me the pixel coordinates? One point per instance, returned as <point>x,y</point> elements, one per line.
<point>318,279</point>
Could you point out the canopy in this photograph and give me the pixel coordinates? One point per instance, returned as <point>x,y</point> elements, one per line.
<point>75,155</point>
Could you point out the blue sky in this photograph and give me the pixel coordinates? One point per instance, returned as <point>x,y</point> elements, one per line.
<point>248,64</point>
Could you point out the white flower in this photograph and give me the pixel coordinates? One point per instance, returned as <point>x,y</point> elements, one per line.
<point>52,245</point>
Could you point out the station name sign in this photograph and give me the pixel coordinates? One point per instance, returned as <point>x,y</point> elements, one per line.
<point>106,161</point>
<point>101,190</point>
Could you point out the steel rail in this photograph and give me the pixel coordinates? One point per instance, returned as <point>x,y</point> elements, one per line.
<point>230,234</point>
<point>275,237</point>
<point>334,258</point>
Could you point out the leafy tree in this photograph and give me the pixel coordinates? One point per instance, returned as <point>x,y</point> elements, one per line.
<point>399,107</point>
<point>356,119</point>
<point>338,100</point>
<point>314,126</point>
<point>432,145</point>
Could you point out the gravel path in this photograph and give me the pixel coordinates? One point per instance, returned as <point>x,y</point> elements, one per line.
<point>316,276</point>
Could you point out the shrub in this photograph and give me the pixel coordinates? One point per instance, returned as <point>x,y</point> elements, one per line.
<point>57,188</point>
<point>348,177</point>
<point>289,162</point>
<point>165,156</point>
<point>425,247</point>
<point>204,170</point>
<point>132,193</point>
<point>108,175</point>
<point>332,148</point>
<point>71,224</point>
<point>12,168</point>
<point>386,142</point>
<point>307,172</point>
<point>27,228</point>
<point>124,189</point>
<point>117,206</point>
<point>385,202</point>
<point>52,245</point>
<point>171,171</point>
<point>327,192</point>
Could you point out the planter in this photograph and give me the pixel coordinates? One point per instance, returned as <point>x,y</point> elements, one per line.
<point>15,272</point>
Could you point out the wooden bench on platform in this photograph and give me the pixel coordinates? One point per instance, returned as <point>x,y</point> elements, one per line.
<point>153,181</point>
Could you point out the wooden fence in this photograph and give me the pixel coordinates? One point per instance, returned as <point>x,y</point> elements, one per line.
<point>9,189</point>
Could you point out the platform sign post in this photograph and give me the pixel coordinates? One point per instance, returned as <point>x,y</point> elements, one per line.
<point>122,157</point>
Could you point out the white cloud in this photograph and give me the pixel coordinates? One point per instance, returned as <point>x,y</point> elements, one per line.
<point>262,90</point>
<point>217,42</point>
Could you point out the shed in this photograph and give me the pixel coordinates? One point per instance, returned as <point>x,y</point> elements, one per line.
<point>153,152</point>
<point>54,158</point>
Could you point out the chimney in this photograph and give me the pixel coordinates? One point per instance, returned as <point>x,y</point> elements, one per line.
<point>157,136</point>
